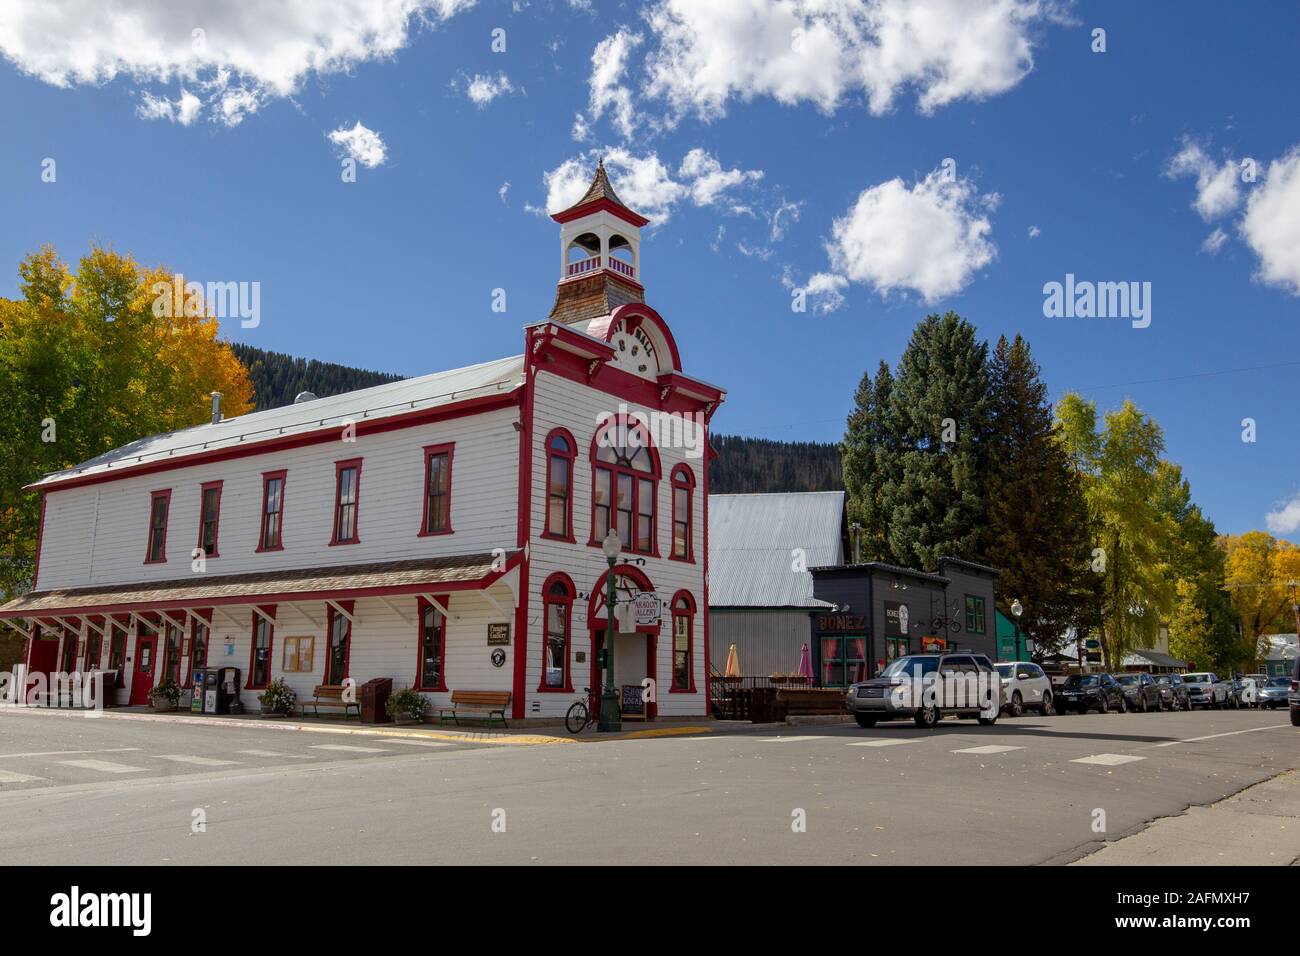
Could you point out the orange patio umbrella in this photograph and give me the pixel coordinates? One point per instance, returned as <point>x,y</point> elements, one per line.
<point>733,663</point>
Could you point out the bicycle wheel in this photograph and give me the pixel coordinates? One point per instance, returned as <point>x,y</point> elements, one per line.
<point>577,718</point>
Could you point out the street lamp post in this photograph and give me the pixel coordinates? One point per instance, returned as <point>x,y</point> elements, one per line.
<point>1017,609</point>
<point>611,718</point>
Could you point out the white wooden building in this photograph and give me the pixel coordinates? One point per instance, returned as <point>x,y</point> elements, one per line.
<point>443,531</point>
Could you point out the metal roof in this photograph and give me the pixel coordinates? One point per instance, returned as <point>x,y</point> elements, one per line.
<point>1138,656</point>
<point>752,544</point>
<point>368,404</point>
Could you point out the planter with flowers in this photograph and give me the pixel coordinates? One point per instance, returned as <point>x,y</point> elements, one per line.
<point>407,707</point>
<point>164,695</point>
<point>277,700</point>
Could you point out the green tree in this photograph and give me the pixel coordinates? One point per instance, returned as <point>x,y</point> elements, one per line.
<point>869,454</point>
<point>1038,528</point>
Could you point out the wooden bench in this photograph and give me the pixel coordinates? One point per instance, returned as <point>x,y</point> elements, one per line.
<point>329,695</point>
<point>486,705</point>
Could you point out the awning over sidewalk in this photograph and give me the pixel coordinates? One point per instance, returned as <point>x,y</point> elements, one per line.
<point>453,573</point>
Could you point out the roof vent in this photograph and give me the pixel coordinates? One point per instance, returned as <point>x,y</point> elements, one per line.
<point>304,397</point>
<point>216,407</point>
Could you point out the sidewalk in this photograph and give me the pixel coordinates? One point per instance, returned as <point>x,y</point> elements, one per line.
<point>1259,826</point>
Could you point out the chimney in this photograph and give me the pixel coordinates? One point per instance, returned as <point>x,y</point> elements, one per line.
<point>216,407</point>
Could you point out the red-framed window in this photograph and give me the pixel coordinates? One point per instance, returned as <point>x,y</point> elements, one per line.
<point>200,635</point>
<point>431,668</point>
<point>625,481</point>
<point>159,505</point>
<point>117,650</point>
<point>683,485</point>
<point>259,659</point>
<point>172,634</point>
<point>437,489</point>
<point>94,648</point>
<point>683,643</point>
<point>209,517</point>
<point>338,650</point>
<point>271,535</point>
<point>561,451</point>
<point>68,651</point>
<point>347,498</point>
<point>557,639</point>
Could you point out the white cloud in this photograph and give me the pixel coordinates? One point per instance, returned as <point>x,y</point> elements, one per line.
<point>825,290</point>
<point>1218,187</point>
<point>930,239</point>
<point>706,53</point>
<point>1034,232</point>
<point>709,180</point>
<point>1271,225</point>
<point>1214,241</point>
<point>207,44</point>
<point>503,191</point>
<point>608,94</point>
<point>1286,520</point>
<point>482,89</point>
<point>364,145</point>
<point>646,183</point>
<point>184,109</point>
<point>581,130</point>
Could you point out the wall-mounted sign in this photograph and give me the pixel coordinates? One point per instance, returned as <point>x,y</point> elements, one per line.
<point>647,608</point>
<point>896,616</point>
<point>933,645</point>
<point>498,634</point>
<point>498,658</point>
<point>842,624</point>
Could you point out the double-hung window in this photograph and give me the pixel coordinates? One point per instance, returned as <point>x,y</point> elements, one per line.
<point>560,453</point>
<point>683,483</point>
<point>159,503</point>
<point>437,490</point>
<point>347,492</point>
<point>625,475</point>
<point>209,517</point>
<point>271,537</point>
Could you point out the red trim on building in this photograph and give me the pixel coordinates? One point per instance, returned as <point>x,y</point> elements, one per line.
<point>430,451</point>
<point>267,477</point>
<point>164,495</point>
<point>632,423</point>
<point>601,205</point>
<point>421,606</point>
<point>690,612</point>
<point>470,406</point>
<point>339,467</point>
<point>598,619</point>
<point>571,457</point>
<point>40,537</point>
<point>682,479</point>
<point>216,524</point>
<point>518,704</point>
<point>566,601</point>
<point>269,610</point>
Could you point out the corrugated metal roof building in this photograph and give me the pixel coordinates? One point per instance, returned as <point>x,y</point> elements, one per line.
<point>760,590</point>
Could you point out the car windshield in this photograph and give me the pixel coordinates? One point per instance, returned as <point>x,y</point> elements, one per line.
<point>1006,670</point>
<point>907,666</point>
<point>1129,679</point>
<point>1280,682</point>
<point>1081,680</point>
<point>1197,678</point>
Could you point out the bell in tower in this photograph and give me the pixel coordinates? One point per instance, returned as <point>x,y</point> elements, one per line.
<point>600,254</point>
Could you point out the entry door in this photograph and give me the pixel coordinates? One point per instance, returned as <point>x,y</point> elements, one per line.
<point>146,648</point>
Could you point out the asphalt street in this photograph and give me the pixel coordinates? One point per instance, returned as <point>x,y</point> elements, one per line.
<point>75,790</point>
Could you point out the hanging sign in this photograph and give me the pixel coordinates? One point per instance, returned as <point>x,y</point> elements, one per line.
<point>647,608</point>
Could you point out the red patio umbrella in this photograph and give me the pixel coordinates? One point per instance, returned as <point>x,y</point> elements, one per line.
<point>805,663</point>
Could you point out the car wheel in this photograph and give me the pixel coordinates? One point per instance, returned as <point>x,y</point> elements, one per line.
<point>1017,705</point>
<point>988,721</point>
<point>865,720</point>
<point>927,717</point>
<point>1142,703</point>
<point>1123,705</point>
<point>1103,705</point>
<point>1046,708</point>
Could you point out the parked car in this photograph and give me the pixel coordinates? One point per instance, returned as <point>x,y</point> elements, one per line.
<point>1024,685</point>
<point>1084,692</point>
<point>1244,693</point>
<point>1140,691</point>
<point>1204,689</point>
<point>927,687</point>
<point>1173,691</point>
<point>1293,697</point>
<point>1273,692</point>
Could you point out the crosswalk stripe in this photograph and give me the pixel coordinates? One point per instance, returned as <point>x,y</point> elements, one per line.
<point>1108,760</point>
<point>8,776</point>
<point>198,761</point>
<point>987,749</point>
<point>350,749</point>
<point>103,766</point>
<point>882,742</point>
<point>416,743</point>
<point>787,740</point>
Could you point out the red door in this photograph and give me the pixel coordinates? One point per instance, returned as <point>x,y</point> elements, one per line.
<point>146,646</point>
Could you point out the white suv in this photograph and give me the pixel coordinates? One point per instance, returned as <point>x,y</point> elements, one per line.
<point>1025,685</point>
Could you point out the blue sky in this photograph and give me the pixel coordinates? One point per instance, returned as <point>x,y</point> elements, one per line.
<point>771,160</point>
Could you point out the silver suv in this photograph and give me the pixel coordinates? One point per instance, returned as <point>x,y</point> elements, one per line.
<point>1024,685</point>
<point>926,687</point>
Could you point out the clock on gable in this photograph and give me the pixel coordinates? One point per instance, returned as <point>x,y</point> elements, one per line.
<point>634,351</point>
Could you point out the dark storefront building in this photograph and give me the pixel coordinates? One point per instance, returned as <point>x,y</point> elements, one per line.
<point>883,611</point>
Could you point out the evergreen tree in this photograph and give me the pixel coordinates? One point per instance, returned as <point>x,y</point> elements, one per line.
<point>1037,530</point>
<point>869,456</point>
<point>939,409</point>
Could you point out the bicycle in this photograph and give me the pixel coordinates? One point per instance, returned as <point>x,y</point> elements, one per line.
<point>582,713</point>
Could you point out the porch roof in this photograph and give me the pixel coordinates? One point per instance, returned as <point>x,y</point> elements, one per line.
<point>452,573</point>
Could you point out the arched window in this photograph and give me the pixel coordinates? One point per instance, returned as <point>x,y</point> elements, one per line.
<point>683,642</point>
<point>557,606</point>
<point>624,482</point>
<point>683,482</point>
<point>560,453</point>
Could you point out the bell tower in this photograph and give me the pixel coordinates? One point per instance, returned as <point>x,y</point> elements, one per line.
<point>600,254</point>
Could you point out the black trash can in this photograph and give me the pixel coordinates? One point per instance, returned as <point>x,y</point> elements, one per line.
<point>374,700</point>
